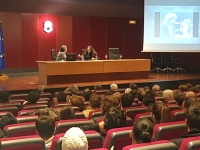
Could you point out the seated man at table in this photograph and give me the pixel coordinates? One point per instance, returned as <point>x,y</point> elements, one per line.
<point>61,54</point>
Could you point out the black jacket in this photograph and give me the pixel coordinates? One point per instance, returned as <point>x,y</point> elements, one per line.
<point>191,133</point>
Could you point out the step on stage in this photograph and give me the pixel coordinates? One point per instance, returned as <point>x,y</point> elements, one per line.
<point>17,84</point>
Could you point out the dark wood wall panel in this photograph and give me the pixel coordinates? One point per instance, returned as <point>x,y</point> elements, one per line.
<point>30,38</point>
<point>98,37</point>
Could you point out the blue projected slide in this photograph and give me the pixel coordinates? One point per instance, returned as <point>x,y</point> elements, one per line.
<point>171,26</point>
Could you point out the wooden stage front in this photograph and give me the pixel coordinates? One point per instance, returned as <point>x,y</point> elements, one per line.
<point>18,84</point>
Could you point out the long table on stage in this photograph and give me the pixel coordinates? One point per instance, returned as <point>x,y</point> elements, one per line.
<point>58,72</point>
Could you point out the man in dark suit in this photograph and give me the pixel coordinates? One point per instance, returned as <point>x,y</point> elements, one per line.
<point>193,123</point>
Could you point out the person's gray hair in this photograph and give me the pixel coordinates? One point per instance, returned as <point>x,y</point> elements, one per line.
<point>128,90</point>
<point>113,87</point>
<point>168,94</point>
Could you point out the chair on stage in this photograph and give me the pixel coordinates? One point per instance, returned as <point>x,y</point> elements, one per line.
<point>168,59</point>
<point>178,61</point>
<point>156,58</point>
<point>53,54</point>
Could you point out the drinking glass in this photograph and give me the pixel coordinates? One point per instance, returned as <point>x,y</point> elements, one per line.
<point>120,56</point>
<point>106,56</point>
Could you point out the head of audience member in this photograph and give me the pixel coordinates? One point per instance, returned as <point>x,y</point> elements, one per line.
<point>45,127</point>
<point>40,88</point>
<point>61,96</point>
<point>74,139</point>
<point>193,89</point>
<point>63,48</point>
<point>188,101</point>
<point>108,93</point>
<point>168,95</point>
<point>128,90</point>
<point>108,102</point>
<point>113,87</point>
<point>4,96</point>
<point>160,112</point>
<point>193,116</point>
<point>7,119</point>
<point>189,85</point>
<point>66,113</point>
<point>148,100</point>
<point>33,97</point>
<point>86,93</point>
<point>147,89</point>
<point>97,87</point>
<point>78,102</point>
<point>190,94</point>
<point>133,86</point>
<point>127,100</point>
<point>156,88</point>
<point>179,98</point>
<point>118,96</point>
<point>73,89</point>
<point>141,94</point>
<point>36,90</point>
<point>95,101</point>
<point>134,93</point>
<point>114,118</point>
<point>67,90</point>
<point>198,87</point>
<point>183,88</point>
<point>142,131</point>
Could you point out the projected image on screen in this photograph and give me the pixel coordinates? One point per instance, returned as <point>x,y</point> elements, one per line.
<point>171,26</point>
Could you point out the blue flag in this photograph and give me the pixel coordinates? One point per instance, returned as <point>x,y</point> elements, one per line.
<point>2,58</point>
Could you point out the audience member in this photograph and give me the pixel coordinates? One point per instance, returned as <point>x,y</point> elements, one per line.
<point>133,86</point>
<point>86,94</point>
<point>4,96</point>
<point>168,95</point>
<point>66,113</point>
<point>193,123</point>
<point>33,97</point>
<point>198,87</point>
<point>118,96</point>
<point>61,97</point>
<point>160,112</point>
<point>108,102</point>
<point>183,88</point>
<point>74,139</point>
<point>114,118</point>
<point>193,89</point>
<point>61,56</point>
<point>188,101</point>
<point>141,94</point>
<point>40,88</point>
<point>73,89</point>
<point>128,90</point>
<point>156,88</point>
<point>148,100</point>
<point>179,98</point>
<point>45,127</point>
<point>94,102</point>
<point>113,87</point>
<point>97,87</point>
<point>108,93</point>
<point>134,93</point>
<point>189,85</point>
<point>142,131</point>
<point>190,94</point>
<point>78,102</point>
<point>127,100</point>
<point>147,89</point>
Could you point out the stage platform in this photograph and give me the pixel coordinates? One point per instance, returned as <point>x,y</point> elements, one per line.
<point>19,84</point>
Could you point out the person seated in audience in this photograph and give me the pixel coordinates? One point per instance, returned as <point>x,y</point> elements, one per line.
<point>95,102</point>
<point>168,95</point>
<point>66,113</point>
<point>128,90</point>
<point>198,87</point>
<point>4,96</point>
<point>160,113</point>
<point>133,86</point>
<point>156,88</point>
<point>187,102</point>
<point>97,87</point>
<point>147,89</point>
<point>40,88</point>
<point>193,89</point>
<point>183,88</point>
<point>86,94</point>
<point>33,97</point>
<point>190,94</point>
<point>45,127</point>
<point>74,89</point>
<point>108,93</point>
<point>148,100</point>
<point>77,101</point>
<point>179,98</point>
<point>5,120</point>
<point>193,123</point>
<point>118,96</point>
<point>134,93</point>
<point>114,118</point>
<point>142,131</point>
<point>113,87</point>
<point>61,56</point>
<point>189,85</point>
<point>127,100</point>
<point>74,139</point>
<point>61,97</point>
<point>141,94</point>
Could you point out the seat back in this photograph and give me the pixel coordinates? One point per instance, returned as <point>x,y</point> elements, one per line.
<point>192,143</point>
<point>118,137</point>
<point>63,125</point>
<point>17,104</point>
<point>79,115</point>
<point>21,129</point>
<point>177,115</point>
<point>158,145</point>
<point>94,140</point>
<point>143,115</point>
<point>53,54</point>
<point>168,131</point>
<point>34,106</point>
<point>12,109</point>
<point>61,104</point>
<point>23,143</point>
<point>24,112</point>
<point>23,119</point>
<point>17,101</point>
<point>19,96</point>
<point>94,113</point>
<point>133,111</point>
<point>173,107</point>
